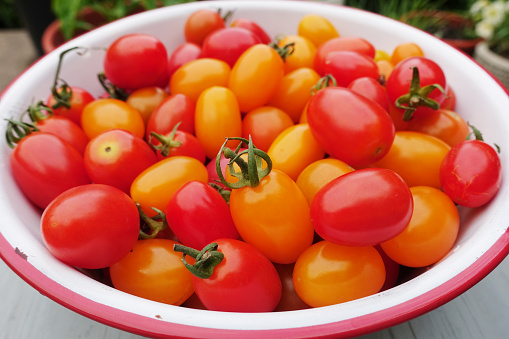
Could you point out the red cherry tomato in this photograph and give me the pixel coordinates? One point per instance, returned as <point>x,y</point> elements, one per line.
<point>200,24</point>
<point>372,89</point>
<point>90,226</point>
<point>244,281</point>
<point>338,210</point>
<point>228,44</point>
<point>197,214</point>
<point>290,300</point>
<point>79,99</point>
<point>181,55</point>
<point>174,109</point>
<point>116,157</point>
<point>178,143</point>
<point>253,27</point>
<point>347,66</point>
<point>136,60</point>
<point>471,173</point>
<point>44,166</point>
<point>366,130</point>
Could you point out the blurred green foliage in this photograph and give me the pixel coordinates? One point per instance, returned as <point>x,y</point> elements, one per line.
<point>9,17</point>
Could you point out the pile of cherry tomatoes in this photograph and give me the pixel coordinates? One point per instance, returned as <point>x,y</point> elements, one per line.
<point>240,172</point>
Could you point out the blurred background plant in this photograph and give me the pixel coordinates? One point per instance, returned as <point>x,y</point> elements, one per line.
<point>9,17</point>
<point>492,24</point>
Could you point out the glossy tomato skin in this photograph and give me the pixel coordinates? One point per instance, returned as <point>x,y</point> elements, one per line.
<point>146,100</point>
<point>200,24</point>
<point>342,43</point>
<point>217,117</point>
<point>327,273</point>
<point>136,60</point>
<point>228,44</point>
<point>44,166</point>
<point>347,66</point>
<point>294,149</point>
<point>79,225</point>
<point>416,157</point>
<point>245,281</point>
<point>155,186</point>
<point>338,210</point>
<point>431,233</point>
<point>471,173</point>
<point>65,129</point>
<point>154,271</point>
<point>372,89</point>
<point>174,109</point>
<point>273,217</point>
<point>105,114</point>
<point>190,146</point>
<point>256,76</point>
<point>182,54</point>
<point>197,214</point>
<point>366,130</point>
<point>79,99</point>
<point>290,300</point>
<point>116,157</point>
<point>317,29</point>
<point>253,27</point>
<point>303,54</point>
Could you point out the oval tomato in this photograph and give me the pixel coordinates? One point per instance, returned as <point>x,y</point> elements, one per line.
<point>146,100</point>
<point>197,214</point>
<point>253,27</point>
<point>317,29</point>
<point>200,24</point>
<point>78,100</point>
<point>116,157</point>
<point>303,52</point>
<point>79,225</point>
<point>290,300</point>
<point>372,89</point>
<point>154,271</point>
<point>347,66</point>
<point>183,54</point>
<point>338,210</point>
<point>431,233</point>
<point>135,61</point>
<point>177,143</point>
<point>327,273</point>
<point>175,109</point>
<point>366,129</point>
<point>228,44</point>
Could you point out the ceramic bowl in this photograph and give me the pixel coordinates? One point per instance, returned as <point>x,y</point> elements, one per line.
<point>482,244</point>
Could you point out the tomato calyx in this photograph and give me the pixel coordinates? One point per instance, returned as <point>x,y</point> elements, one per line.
<point>251,172</point>
<point>205,260</point>
<point>478,136</point>
<point>17,131</point>
<point>417,96</point>
<point>166,143</point>
<point>327,80</point>
<point>224,192</point>
<point>38,112</point>
<point>283,51</point>
<point>150,227</point>
<point>113,91</point>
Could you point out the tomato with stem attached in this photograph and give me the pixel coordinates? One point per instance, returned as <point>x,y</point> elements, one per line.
<point>201,23</point>
<point>175,109</point>
<point>146,100</point>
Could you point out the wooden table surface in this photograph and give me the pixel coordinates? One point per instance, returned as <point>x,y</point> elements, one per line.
<point>481,312</point>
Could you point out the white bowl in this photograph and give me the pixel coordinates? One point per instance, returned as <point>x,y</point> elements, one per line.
<point>482,244</point>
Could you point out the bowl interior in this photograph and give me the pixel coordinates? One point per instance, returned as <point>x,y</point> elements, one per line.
<point>481,245</point>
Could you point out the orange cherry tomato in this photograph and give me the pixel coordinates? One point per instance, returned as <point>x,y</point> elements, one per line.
<point>327,273</point>
<point>264,124</point>
<point>303,52</point>
<point>444,124</point>
<point>200,24</point>
<point>273,217</point>
<point>256,76</point>
<point>154,271</point>
<point>294,91</point>
<point>405,50</point>
<point>416,157</point>
<point>318,174</point>
<point>217,117</point>
<point>384,68</point>
<point>294,149</point>
<point>104,114</point>
<point>145,100</point>
<point>194,77</point>
<point>431,233</point>
<point>317,29</point>
<point>155,186</point>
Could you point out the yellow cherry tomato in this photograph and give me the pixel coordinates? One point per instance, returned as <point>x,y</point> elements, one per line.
<point>105,114</point>
<point>155,186</point>
<point>318,174</point>
<point>256,76</point>
<point>294,91</point>
<point>303,54</point>
<point>217,117</point>
<point>381,55</point>
<point>405,50</point>
<point>152,270</point>
<point>196,76</point>
<point>317,29</point>
<point>327,273</point>
<point>145,100</point>
<point>294,149</point>
<point>431,233</point>
<point>416,157</point>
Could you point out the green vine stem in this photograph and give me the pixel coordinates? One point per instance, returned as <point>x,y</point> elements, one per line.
<point>205,260</point>
<point>417,96</point>
<point>327,80</point>
<point>166,143</point>
<point>251,172</point>
<point>17,130</point>
<point>154,225</point>
<point>283,51</point>
<point>112,90</point>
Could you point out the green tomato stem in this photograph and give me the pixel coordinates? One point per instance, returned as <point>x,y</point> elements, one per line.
<point>205,260</point>
<point>155,224</point>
